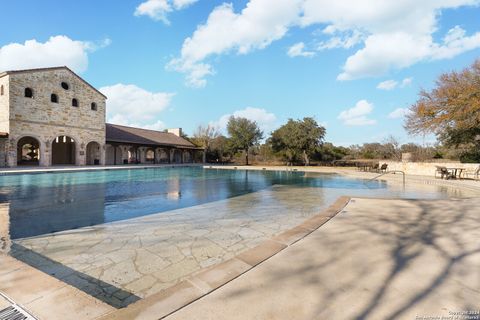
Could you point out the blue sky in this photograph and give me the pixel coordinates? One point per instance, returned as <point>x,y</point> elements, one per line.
<point>353,65</point>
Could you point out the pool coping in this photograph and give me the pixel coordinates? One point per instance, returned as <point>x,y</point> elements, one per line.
<point>170,300</point>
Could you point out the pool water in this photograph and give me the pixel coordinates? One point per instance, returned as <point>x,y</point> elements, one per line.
<point>52,202</point>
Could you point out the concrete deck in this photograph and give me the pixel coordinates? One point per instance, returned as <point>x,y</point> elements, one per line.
<point>377,259</point>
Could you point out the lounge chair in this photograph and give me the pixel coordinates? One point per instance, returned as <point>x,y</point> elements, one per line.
<point>443,172</point>
<point>375,167</point>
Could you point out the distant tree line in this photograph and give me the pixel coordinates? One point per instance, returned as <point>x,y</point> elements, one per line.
<point>451,111</point>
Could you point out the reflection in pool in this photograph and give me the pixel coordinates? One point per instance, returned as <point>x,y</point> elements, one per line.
<point>51,202</point>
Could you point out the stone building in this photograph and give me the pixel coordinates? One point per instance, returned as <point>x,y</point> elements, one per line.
<point>51,116</point>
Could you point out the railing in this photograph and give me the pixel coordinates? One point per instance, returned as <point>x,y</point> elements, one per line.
<point>387,172</point>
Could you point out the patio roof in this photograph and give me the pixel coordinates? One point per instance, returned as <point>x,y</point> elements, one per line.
<point>130,135</point>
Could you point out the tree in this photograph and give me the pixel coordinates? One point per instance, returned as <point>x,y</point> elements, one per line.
<point>244,134</point>
<point>451,110</point>
<point>298,138</point>
<point>203,137</point>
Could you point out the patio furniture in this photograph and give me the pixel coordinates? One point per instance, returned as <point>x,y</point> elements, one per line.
<point>375,167</point>
<point>443,172</point>
<point>455,172</point>
<point>384,167</point>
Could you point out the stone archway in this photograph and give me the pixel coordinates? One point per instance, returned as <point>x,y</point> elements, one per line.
<point>163,156</point>
<point>177,156</point>
<point>150,155</point>
<point>93,153</point>
<point>113,155</point>
<point>28,151</point>
<point>187,156</point>
<point>63,151</point>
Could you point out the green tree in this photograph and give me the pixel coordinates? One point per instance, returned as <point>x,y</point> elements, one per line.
<point>298,138</point>
<point>244,134</point>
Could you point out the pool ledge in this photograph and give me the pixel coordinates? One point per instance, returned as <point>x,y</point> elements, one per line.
<point>165,303</point>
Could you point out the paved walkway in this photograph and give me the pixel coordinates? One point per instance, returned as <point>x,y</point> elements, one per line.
<point>378,259</point>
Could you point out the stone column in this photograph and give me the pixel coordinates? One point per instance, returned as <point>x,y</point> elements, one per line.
<point>80,154</point>
<point>172,153</point>
<point>45,154</point>
<point>103,154</point>
<point>11,148</point>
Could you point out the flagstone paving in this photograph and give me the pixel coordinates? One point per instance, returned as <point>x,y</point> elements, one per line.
<point>121,262</point>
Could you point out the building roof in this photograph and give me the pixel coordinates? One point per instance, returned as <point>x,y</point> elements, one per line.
<point>123,134</point>
<point>51,69</point>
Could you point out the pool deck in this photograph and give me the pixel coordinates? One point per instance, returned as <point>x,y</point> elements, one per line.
<point>376,259</point>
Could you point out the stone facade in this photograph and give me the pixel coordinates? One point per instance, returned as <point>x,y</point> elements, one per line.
<point>51,116</point>
<point>65,130</point>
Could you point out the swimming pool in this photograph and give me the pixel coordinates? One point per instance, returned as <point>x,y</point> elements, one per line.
<point>52,202</point>
<point>122,235</point>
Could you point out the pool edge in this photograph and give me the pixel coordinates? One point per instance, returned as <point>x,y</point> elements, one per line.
<point>168,301</point>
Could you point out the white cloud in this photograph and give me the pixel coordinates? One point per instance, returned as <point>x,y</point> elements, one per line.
<point>134,106</point>
<point>394,34</point>
<point>406,82</point>
<point>298,50</point>
<point>56,51</point>
<point>392,84</point>
<point>159,9</point>
<point>265,120</point>
<point>358,115</point>
<point>345,41</point>
<point>399,113</point>
<point>387,85</point>
<point>260,23</point>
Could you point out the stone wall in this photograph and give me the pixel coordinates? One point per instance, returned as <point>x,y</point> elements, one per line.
<point>426,168</point>
<point>4,110</point>
<point>45,120</point>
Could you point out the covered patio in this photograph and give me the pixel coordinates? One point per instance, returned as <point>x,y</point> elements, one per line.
<point>128,145</point>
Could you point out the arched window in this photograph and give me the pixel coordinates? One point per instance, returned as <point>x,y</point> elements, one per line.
<point>93,106</point>
<point>1,90</point>
<point>54,98</point>
<point>64,85</point>
<point>74,102</point>
<point>28,93</point>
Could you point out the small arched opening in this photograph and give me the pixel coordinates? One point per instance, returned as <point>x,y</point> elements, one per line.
<point>93,153</point>
<point>63,151</point>
<point>28,151</point>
